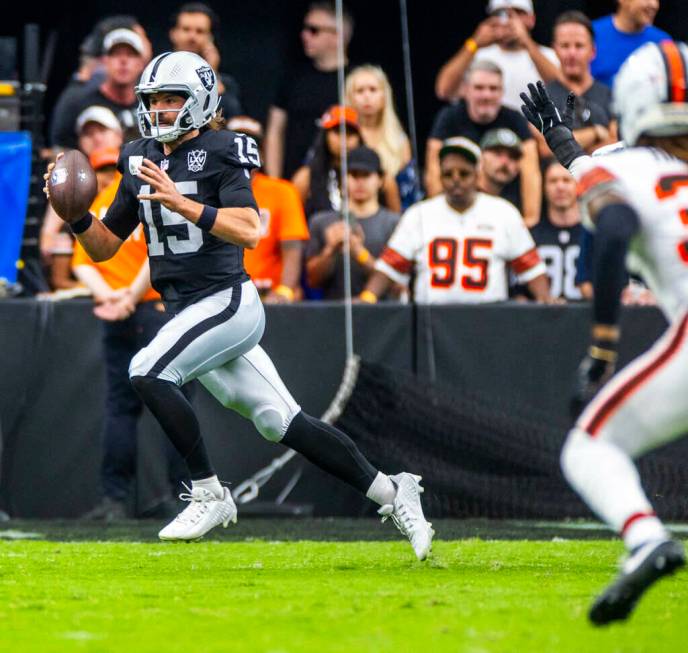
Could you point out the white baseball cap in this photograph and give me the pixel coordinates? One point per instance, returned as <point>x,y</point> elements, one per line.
<point>523,5</point>
<point>101,115</point>
<point>123,35</point>
<point>461,145</point>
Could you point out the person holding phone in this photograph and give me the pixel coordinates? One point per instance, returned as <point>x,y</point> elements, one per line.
<point>503,38</point>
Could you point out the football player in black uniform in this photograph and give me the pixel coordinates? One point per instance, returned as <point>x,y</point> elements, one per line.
<point>188,182</point>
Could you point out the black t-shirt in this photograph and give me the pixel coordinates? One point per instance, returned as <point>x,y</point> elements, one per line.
<point>186,262</point>
<point>73,101</point>
<point>592,107</point>
<point>454,121</point>
<point>305,94</point>
<point>559,248</point>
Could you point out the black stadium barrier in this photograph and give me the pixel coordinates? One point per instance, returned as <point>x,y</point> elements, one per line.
<point>486,434</point>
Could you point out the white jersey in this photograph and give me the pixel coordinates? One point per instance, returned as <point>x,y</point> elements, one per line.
<point>460,257</point>
<point>655,184</point>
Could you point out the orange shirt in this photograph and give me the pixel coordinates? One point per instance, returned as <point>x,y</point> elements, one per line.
<point>281,218</point>
<point>123,267</point>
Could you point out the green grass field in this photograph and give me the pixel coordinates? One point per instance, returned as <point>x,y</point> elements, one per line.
<point>225,594</point>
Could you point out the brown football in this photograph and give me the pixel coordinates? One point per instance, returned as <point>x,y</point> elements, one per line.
<point>72,186</point>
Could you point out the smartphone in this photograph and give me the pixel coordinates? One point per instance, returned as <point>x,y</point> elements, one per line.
<point>503,16</point>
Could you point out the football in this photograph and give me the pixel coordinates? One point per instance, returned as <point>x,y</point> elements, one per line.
<point>72,186</point>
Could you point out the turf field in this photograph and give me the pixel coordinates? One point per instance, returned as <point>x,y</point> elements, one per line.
<point>320,585</point>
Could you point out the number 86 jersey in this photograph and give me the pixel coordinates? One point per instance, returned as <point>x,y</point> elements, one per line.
<point>213,168</point>
<point>655,184</point>
<point>460,257</point>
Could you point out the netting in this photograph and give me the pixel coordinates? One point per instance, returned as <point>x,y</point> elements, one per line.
<point>479,456</point>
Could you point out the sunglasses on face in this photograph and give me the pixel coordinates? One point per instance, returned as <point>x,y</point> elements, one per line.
<point>314,30</point>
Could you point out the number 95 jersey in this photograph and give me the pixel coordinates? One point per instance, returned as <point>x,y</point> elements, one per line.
<point>186,262</point>
<point>460,257</point>
<point>655,184</point>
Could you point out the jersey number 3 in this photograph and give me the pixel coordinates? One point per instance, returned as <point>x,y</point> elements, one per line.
<point>668,187</point>
<point>177,245</point>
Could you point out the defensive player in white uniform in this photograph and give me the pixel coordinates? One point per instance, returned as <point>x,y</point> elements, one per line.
<point>461,242</point>
<point>187,180</point>
<point>636,200</point>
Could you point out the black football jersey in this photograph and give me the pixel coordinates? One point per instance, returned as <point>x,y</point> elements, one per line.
<point>186,262</point>
<point>559,248</point>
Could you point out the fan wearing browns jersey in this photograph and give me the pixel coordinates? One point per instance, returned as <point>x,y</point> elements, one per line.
<point>188,181</point>
<point>459,244</point>
<point>635,200</point>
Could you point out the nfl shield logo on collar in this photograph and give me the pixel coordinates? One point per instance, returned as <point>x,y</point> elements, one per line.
<point>207,77</point>
<point>164,165</point>
<point>196,160</point>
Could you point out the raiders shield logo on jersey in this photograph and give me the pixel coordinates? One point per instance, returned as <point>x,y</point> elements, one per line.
<point>207,77</point>
<point>195,160</point>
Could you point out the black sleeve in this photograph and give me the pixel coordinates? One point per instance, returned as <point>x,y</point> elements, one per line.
<point>235,188</point>
<point>122,215</point>
<point>616,225</point>
<point>63,123</point>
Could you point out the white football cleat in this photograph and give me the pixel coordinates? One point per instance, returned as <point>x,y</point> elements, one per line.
<point>204,512</point>
<point>407,513</point>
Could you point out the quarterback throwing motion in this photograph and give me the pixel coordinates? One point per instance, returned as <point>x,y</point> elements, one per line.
<point>636,202</point>
<point>187,180</point>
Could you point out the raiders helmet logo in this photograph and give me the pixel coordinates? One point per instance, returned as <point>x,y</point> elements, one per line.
<point>207,77</point>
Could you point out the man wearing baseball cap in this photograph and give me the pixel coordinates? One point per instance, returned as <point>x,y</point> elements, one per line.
<point>502,150</point>
<point>459,243</point>
<point>98,128</point>
<point>124,59</point>
<point>370,229</point>
<point>503,38</point>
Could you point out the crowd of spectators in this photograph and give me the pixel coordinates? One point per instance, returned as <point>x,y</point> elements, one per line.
<point>479,147</point>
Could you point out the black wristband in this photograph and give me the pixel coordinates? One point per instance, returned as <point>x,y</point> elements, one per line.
<point>81,225</point>
<point>207,219</point>
<point>563,145</point>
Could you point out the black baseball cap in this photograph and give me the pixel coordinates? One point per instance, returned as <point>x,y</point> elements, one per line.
<point>498,138</point>
<point>363,159</point>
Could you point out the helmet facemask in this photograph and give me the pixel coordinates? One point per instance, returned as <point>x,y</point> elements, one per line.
<point>148,119</point>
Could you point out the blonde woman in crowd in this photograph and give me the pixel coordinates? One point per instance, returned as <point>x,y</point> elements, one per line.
<point>369,92</point>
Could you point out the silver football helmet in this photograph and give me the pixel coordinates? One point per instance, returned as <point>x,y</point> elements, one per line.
<point>184,73</point>
<point>650,92</point>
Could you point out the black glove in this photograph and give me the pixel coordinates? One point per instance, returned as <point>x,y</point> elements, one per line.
<point>594,371</point>
<point>541,111</point>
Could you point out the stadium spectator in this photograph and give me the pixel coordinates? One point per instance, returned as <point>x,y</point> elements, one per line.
<point>504,39</point>
<point>472,117</point>
<point>371,227</point>
<point>574,42</point>
<point>275,264</point>
<point>318,181</point>
<point>558,235</point>
<point>306,91</point>
<point>620,33</point>
<point>195,28</point>
<point>459,244</point>
<point>124,61</point>
<point>131,314</point>
<point>369,92</point>
<point>499,164</point>
<point>97,128</point>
